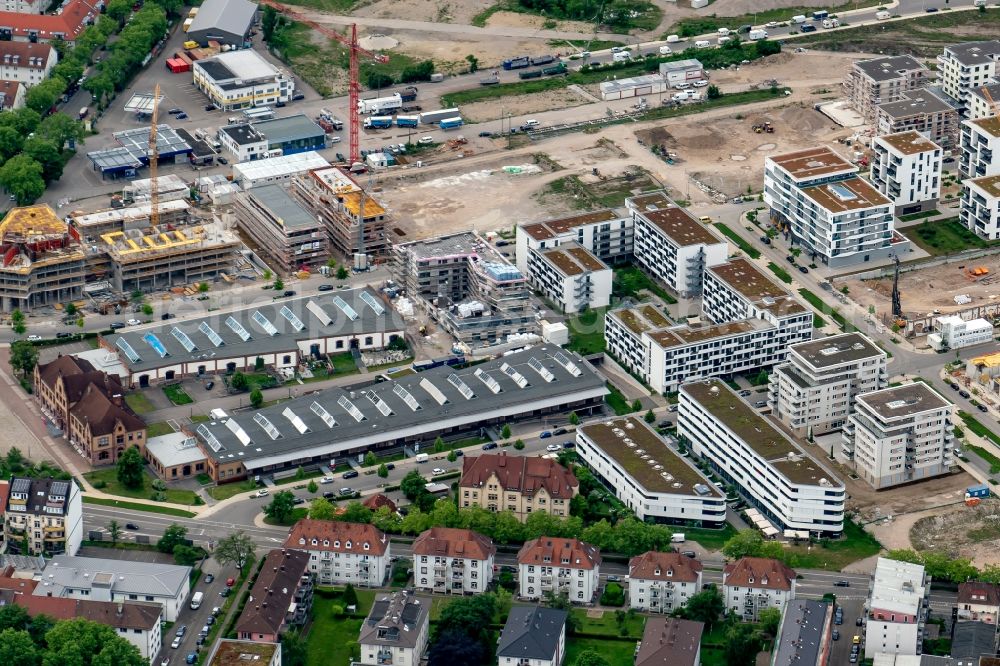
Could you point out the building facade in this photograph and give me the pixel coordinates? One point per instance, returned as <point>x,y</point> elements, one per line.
<point>452,560</point>
<point>519,484</point>
<point>102,426</point>
<point>661,582</point>
<point>11,95</point>
<point>979,146</point>
<point>814,392</point>
<point>34,277</point>
<point>533,636</point>
<point>982,101</point>
<point>395,632</point>
<point>604,233</point>
<point>978,602</point>
<point>289,237</point>
<point>570,277</point>
<point>906,168</point>
<point>26,62</point>
<point>675,248</point>
<point>789,487</point>
<point>43,516</point>
<point>925,110</point>
<point>881,80</point>
<point>59,385</point>
<point>223,21</point>
<point>241,79</point>
<point>280,599</point>
<point>560,566</point>
<point>355,221</point>
<point>953,332</point>
<point>752,584</point>
<point>979,209</point>
<point>964,67</point>
<point>900,435</point>
<point>342,553</point>
<point>805,635</point>
<point>37,26</point>
<point>895,611</point>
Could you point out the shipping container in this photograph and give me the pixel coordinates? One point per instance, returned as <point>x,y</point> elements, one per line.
<point>543,60</point>
<point>451,123</point>
<point>407,121</point>
<point>433,117</point>
<point>533,74</point>
<point>517,63</point>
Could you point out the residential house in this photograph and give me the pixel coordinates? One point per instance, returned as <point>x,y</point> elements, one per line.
<point>230,652</point>
<point>43,516</point>
<point>669,641</point>
<point>978,601</point>
<point>281,597</point>
<point>341,553</point>
<point>662,582</point>
<point>881,80</point>
<point>752,584</point>
<point>27,62</point>
<point>102,426</point>
<point>805,635</point>
<point>519,484</point>
<point>533,636</point>
<point>895,613</point>
<point>395,631</point>
<point>452,560</point>
<point>560,566</point>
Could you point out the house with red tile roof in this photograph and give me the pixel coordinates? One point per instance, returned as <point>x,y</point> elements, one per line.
<point>66,25</point>
<point>752,584</point>
<point>11,95</point>
<point>978,601</point>
<point>26,62</point>
<point>342,553</point>
<point>662,582</point>
<point>519,484</point>
<point>452,560</point>
<point>560,566</point>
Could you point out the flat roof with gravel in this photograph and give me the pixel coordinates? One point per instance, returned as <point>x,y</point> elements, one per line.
<point>837,349</point>
<point>812,163</point>
<point>680,226</point>
<point>909,143</point>
<point>989,125</point>
<point>846,195</point>
<point>989,184</point>
<point>903,401</point>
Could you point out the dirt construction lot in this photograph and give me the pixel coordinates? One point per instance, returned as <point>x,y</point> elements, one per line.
<point>961,531</point>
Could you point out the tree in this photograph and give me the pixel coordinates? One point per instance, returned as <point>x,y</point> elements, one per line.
<point>636,405</point>
<point>23,357</point>
<point>59,128</point>
<point>342,273</point>
<point>705,606</point>
<point>186,556</point>
<point>312,487</point>
<point>43,96</point>
<point>268,22</point>
<point>650,416</point>
<point>10,142</point>
<point>505,430</point>
<point>131,468</point>
<point>590,658</point>
<point>766,47</point>
<point>349,596</point>
<point>204,287</point>
<point>147,309</point>
<point>22,177</point>
<point>15,459</point>
<point>473,63</point>
<point>114,531</point>
<point>356,512</point>
<point>47,154</point>
<point>278,284</point>
<point>452,456</point>
<point>86,643</point>
<point>770,618</point>
<point>420,72</point>
<point>413,485</point>
<point>237,548</point>
<point>741,645</point>
<point>468,615</point>
<point>574,419</point>
<point>438,445</point>
<point>745,543</point>
<point>119,9</point>
<point>17,648</point>
<point>713,92</point>
<point>173,536</point>
<point>281,507</point>
<point>383,471</point>
<point>239,381</point>
<point>70,309</point>
<point>370,459</point>
<point>256,398</point>
<point>519,444</point>
<point>258,364</point>
<point>456,647</point>
<point>378,80</point>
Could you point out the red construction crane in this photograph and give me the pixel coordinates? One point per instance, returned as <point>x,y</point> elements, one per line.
<point>354,84</point>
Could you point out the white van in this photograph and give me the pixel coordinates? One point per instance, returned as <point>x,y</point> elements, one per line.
<point>723,32</point>
<point>723,40</point>
<point>883,15</point>
<point>680,96</point>
<point>422,458</point>
<point>665,50</point>
<point>673,39</point>
<point>800,19</point>
<point>622,56</point>
<point>703,44</point>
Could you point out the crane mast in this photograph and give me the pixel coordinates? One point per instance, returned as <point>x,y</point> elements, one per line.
<point>154,158</point>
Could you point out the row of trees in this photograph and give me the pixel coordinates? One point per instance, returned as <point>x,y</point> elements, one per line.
<point>942,566</point>
<point>31,148</point>
<point>619,14</point>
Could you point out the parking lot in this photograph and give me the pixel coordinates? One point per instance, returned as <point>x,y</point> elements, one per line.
<point>852,609</point>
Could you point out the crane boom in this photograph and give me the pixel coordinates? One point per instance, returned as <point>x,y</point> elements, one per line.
<point>354,84</point>
<point>989,99</point>
<point>154,158</point>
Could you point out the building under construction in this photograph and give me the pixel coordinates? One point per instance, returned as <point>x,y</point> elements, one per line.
<point>42,260</point>
<point>476,295</point>
<point>279,227</point>
<point>91,226</point>
<point>341,204</point>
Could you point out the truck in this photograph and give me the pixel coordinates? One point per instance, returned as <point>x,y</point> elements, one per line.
<point>533,74</point>
<point>83,112</point>
<point>196,600</point>
<point>422,458</point>
<point>433,117</point>
<point>559,68</point>
<point>451,123</point>
<point>519,62</point>
<point>380,104</point>
<point>621,56</point>
<point>437,77</point>
<point>677,537</point>
<point>327,115</point>
<point>407,121</point>
<point>757,35</point>
<point>408,93</point>
<point>542,60</point>
<point>489,81</point>
<point>378,122</point>
<point>799,19</point>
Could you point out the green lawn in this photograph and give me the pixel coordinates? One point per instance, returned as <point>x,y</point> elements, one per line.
<point>606,624</point>
<point>738,241</point>
<point>919,216</point>
<point>343,364</point>
<point>113,487</point>
<point>993,461</point>
<point>139,403</point>
<point>330,639</point>
<point>945,237</point>
<point>628,281</point>
<point>617,652</point>
<point>616,401</point>
<point>818,303</point>
<point>177,395</point>
<point>855,545</point>
<point>780,272</point>
<point>298,513</point>
<point>586,332</point>
<point>973,424</point>
<point>228,490</point>
<point>709,539</point>
<point>818,322</point>
<point>586,44</point>
<point>158,429</point>
<point>136,506</point>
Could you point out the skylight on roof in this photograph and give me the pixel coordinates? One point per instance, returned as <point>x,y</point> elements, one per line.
<point>126,348</point>
<point>319,313</point>
<point>542,371</point>
<point>266,424</point>
<point>433,391</point>
<point>381,404</point>
<point>320,411</point>
<point>350,408</point>
<point>238,430</point>
<point>209,437</point>
<point>213,337</point>
<point>372,303</point>
<point>264,323</point>
<point>345,308</point>
<point>183,338</point>
<point>568,365</point>
<point>512,372</point>
<point>155,343</point>
<point>408,398</point>
<point>462,387</point>
<point>295,420</point>
<point>292,319</point>
<point>237,328</point>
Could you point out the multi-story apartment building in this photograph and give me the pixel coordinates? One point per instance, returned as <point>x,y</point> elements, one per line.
<point>42,260</point>
<point>341,553</point>
<point>452,560</point>
<point>12,95</point>
<point>979,209</point>
<point>241,79</point>
<point>354,219</point>
<point>814,391</point>
<point>24,6</point>
<point>395,632</point>
<point>983,101</point>
<point>280,599</point>
<point>603,233</point>
<point>560,566</point>
<point>289,236</point>
<point>924,110</point>
<point>533,636</point>
<point>895,613</point>
<point>978,601</point>
<point>676,248</point>
<point>519,484</point>
<point>777,477</point>
<point>906,168</point>
<point>839,218</point>
<point>899,435</point>
<point>751,584</point>
<point>102,426</point>
<point>953,332</point>
<point>27,62</point>
<point>882,80</point>
<point>37,26</point>
<point>468,287</point>
<point>571,277</point>
<point>980,148</point>
<point>43,516</point>
<point>662,582</point>
<point>645,474</point>
<point>805,636</point>
<point>669,640</point>
<point>964,67</point>
<point>751,321</point>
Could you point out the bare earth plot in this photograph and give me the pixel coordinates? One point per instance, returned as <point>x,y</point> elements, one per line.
<point>961,531</point>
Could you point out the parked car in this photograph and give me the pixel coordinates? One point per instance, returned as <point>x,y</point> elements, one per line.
<point>436,471</point>
<point>329,494</point>
<point>181,116</point>
<point>191,658</point>
<point>181,630</point>
<point>261,493</point>
<point>351,474</point>
<point>842,583</point>
<point>210,107</point>
<point>34,338</point>
<point>613,579</point>
<point>209,579</point>
<point>325,287</point>
<point>298,500</point>
<point>569,445</point>
<point>226,591</point>
<point>64,334</point>
<point>489,446</point>
<point>298,96</point>
<point>176,643</point>
<point>222,160</point>
<point>209,385</point>
<point>288,293</point>
<point>115,325</point>
<point>545,434</point>
<point>486,134</point>
<point>133,322</point>
<point>347,491</point>
<point>326,479</point>
<point>835,635</point>
<point>390,466</point>
<point>803,269</point>
<point>552,448</point>
<point>964,393</point>
<point>131,526</point>
<point>175,111</point>
<point>981,407</point>
<point>954,387</point>
<point>765,240</point>
<point>230,582</point>
<point>166,315</point>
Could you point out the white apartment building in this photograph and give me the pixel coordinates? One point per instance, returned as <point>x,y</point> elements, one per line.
<point>751,584</point>
<point>963,67</point>
<point>452,560</point>
<point>341,553</point>
<point>11,95</point>
<point>979,148</point>
<point>906,168</point>
<point>953,332</point>
<point>241,79</point>
<point>895,613</point>
<point>979,209</point>
<point>676,248</point>
<point>560,566</point>
<point>395,632</point>
<point>647,475</point>
<point>24,6</point>
<point>788,486</point>
<point>662,582</point>
<point>882,80</point>
<point>603,233</point>
<point>571,277</point>
<point>899,435</point>
<point>980,105</point>
<point>814,392</point>
<point>533,636</point>
<point>832,213</point>
<point>27,62</point>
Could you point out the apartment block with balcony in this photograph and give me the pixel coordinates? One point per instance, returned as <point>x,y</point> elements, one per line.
<point>533,636</point>
<point>559,566</point>
<point>280,599</point>
<point>675,248</point>
<point>26,62</point>
<point>978,601</point>
<point>43,516</point>
<point>906,168</point>
<point>603,233</point>
<point>752,584</point>
<point>895,615</point>
<point>881,80</point>
<point>983,101</point>
<point>900,435</point>
<point>979,148</point>
<point>521,485</point>
<point>964,67</point>
<point>924,110</point>
<point>662,582</point>
<point>341,553</point>
<point>395,632</point>
<point>814,392</point>
<point>789,487</point>
<point>452,561</point>
<point>355,220</point>
<point>979,209</point>
<point>835,216</point>
<point>571,277</point>
<point>289,236</point>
